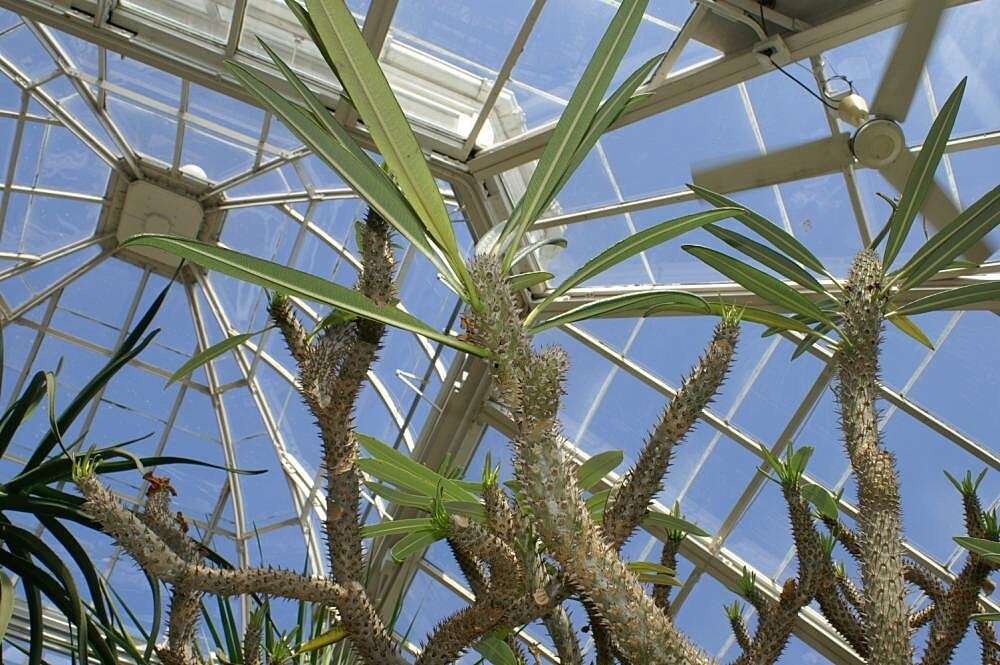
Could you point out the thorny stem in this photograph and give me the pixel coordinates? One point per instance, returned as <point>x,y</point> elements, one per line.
<point>332,372</point>
<point>879,520</point>
<point>529,384</point>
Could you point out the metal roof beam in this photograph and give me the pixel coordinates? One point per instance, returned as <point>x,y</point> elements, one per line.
<point>132,34</point>
<point>705,79</point>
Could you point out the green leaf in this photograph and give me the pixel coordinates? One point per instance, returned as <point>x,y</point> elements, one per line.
<point>907,325</point>
<point>307,24</point>
<point>921,177</point>
<point>988,549</point>
<point>50,391</point>
<point>647,301</point>
<point>392,527</point>
<point>784,241</point>
<point>653,573</point>
<point>818,332</point>
<point>332,636</point>
<point>767,256</point>
<point>608,112</point>
<point>753,314</point>
<point>672,523</point>
<point>820,497</point>
<point>412,544</point>
<point>340,152</point>
<point>359,72</point>
<point>973,294</point>
<point>526,280</point>
<point>399,497</point>
<point>535,246</point>
<point>597,501</point>
<point>84,564</point>
<point>36,622</point>
<point>561,148</point>
<point>594,469</point>
<point>60,469</point>
<point>799,459</point>
<point>772,290</point>
<point>20,410</point>
<point>487,244</point>
<point>629,247</point>
<point>985,616</point>
<point>334,318</point>
<point>7,596</point>
<point>294,282</point>
<point>495,650</point>
<point>388,464</point>
<point>471,509</point>
<point>941,250</point>
<point>212,352</point>
<point>131,346</point>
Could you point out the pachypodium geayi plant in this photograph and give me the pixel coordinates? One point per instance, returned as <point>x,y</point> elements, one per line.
<point>556,532</point>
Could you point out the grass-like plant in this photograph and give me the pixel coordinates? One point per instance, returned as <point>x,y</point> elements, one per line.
<point>553,533</point>
<point>36,514</point>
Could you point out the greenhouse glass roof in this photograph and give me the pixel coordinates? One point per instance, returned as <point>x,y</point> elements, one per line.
<point>99,95</point>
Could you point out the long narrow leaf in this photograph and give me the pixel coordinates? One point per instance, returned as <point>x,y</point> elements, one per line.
<point>921,177</point>
<point>361,76</point>
<point>60,469</point>
<point>672,523</point>
<point>379,450</point>
<point>7,596</point>
<point>535,246</point>
<point>381,194</point>
<point>759,282</point>
<point>18,412</point>
<point>84,397</point>
<point>332,636</point>
<point>300,13</point>
<point>774,234</point>
<point>768,257</point>
<point>644,302</point>
<point>213,352</point>
<point>393,527</point>
<point>751,314</point>
<point>526,280</point>
<point>399,497</point>
<point>411,544</point>
<point>607,113</point>
<point>495,650</point>
<point>294,282</point>
<point>594,469</point>
<point>576,119</point>
<point>83,563</point>
<point>947,244</point>
<point>910,328</point>
<point>988,549</point>
<point>629,247</point>
<point>963,296</point>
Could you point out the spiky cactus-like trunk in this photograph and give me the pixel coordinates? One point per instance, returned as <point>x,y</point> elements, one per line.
<point>529,384</point>
<point>879,517</point>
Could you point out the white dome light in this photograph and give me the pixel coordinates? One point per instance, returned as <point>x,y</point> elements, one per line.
<point>194,171</point>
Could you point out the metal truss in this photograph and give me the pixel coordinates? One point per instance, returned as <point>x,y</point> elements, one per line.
<point>484,179</point>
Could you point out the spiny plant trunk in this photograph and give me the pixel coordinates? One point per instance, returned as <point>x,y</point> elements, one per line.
<point>530,385</point>
<point>879,519</point>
